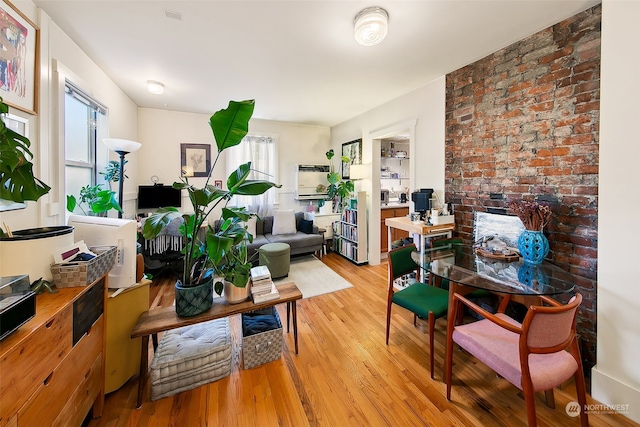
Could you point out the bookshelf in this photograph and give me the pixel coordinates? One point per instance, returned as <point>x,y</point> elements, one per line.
<point>350,232</point>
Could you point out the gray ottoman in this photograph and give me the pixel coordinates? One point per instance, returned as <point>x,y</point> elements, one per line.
<point>276,257</point>
<point>191,356</point>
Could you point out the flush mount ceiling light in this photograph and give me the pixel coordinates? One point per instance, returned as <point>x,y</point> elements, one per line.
<point>155,87</point>
<point>370,26</point>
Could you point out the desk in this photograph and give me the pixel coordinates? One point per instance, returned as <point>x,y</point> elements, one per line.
<point>405,223</point>
<point>162,319</point>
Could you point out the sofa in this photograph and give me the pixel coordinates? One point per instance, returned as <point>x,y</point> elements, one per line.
<point>300,242</point>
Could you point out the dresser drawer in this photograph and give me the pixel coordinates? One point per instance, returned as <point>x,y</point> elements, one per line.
<point>87,309</point>
<point>81,400</point>
<point>46,403</point>
<point>28,365</point>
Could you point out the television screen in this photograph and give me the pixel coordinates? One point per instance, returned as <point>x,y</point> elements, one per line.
<point>158,196</point>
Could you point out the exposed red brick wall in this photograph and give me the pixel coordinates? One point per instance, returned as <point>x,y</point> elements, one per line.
<point>523,123</point>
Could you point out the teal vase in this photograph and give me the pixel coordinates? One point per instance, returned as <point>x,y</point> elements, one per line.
<point>193,300</point>
<point>533,246</point>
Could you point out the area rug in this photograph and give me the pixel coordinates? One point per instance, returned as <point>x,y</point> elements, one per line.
<point>312,277</point>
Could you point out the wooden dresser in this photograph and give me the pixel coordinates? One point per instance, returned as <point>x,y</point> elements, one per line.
<point>52,367</point>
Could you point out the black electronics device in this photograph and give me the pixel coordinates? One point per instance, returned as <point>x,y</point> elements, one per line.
<point>422,200</point>
<point>17,303</point>
<point>158,196</point>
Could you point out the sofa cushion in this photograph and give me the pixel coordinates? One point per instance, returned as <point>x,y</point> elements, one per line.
<point>305,226</point>
<point>284,222</point>
<point>297,240</point>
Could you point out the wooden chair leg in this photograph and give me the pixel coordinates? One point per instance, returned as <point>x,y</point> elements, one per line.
<point>582,396</point>
<point>530,403</point>
<point>388,321</point>
<point>549,399</point>
<point>432,322</point>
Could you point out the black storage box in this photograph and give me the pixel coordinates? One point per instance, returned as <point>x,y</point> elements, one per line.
<point>17,303</point>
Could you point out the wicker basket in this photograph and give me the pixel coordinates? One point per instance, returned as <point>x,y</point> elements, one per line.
<point>83,273</point>
<point>264,347</point>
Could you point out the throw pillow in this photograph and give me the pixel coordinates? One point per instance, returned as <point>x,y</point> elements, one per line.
<point>251,226</point>
<point>305,226</point>
<point>284,222</point>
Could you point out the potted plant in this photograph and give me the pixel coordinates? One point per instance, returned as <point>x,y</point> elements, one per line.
<point>338,190</point>
<point>17,182</point>
<point>94,200</point>
<point>223,250</point>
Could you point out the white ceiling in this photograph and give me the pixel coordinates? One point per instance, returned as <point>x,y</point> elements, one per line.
<point>297,59</point>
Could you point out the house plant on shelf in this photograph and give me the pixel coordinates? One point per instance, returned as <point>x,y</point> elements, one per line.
<point>532,243</point>
<point>338,190</point>
<point>93,200</point>
<point>223,251</point>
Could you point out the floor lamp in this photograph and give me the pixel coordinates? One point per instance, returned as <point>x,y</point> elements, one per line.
<point>122,147</point>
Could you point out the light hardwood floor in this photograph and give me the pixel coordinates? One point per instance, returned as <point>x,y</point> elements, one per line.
<point>345,375</point>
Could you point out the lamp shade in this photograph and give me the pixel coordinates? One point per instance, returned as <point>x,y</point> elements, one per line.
<point>124,145</point>
<point>358,172</point>
<point>370,26</point>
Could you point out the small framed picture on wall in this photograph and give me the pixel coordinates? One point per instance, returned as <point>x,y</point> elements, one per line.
<point>195,159</point>
<point>353,151</point>
<point>217,183</point>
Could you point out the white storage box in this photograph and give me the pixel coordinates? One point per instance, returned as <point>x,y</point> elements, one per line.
<point>442,219</point>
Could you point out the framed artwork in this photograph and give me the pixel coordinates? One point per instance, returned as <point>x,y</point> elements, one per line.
<point>19,38</point>
<point>195,159</point>
<point>352,150</point>
<point>217,183</point>
<point>20,125</point>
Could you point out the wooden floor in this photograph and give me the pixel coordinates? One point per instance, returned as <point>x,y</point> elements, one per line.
<point>345,375</point>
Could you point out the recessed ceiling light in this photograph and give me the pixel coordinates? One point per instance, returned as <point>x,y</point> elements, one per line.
<point>155,87</point>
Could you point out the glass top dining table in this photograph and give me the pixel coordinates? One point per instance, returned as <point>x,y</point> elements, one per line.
<point>462,265</point>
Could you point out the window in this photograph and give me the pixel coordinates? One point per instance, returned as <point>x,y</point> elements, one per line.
<point>261,150</point>
<point>85,123</point>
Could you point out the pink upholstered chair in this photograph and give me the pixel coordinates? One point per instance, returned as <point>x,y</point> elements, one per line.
<point>532,355</point>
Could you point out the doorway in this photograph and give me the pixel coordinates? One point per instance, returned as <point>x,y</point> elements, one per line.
<point>404,133</point>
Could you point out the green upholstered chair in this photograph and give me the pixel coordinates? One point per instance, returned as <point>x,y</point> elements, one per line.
<point>421,299</point>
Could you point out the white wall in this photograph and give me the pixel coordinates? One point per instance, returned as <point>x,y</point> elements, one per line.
<point>426,108</point>
<point>56,46</point>
<point>161,133</point>
<point>616,377</point>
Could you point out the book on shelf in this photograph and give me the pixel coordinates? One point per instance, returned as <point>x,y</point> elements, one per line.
<point>268,296</point>
<point>260,272</point>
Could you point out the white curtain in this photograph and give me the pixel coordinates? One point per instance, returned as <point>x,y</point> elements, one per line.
<point>261,150</point>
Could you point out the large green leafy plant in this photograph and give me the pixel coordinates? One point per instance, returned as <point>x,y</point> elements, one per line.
<point>223,251</point>
<point>93,200</point>
<point>338,189</point>
<point>17,182</point>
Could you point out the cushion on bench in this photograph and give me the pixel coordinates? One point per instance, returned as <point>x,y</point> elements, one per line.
<point>191,356</point>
